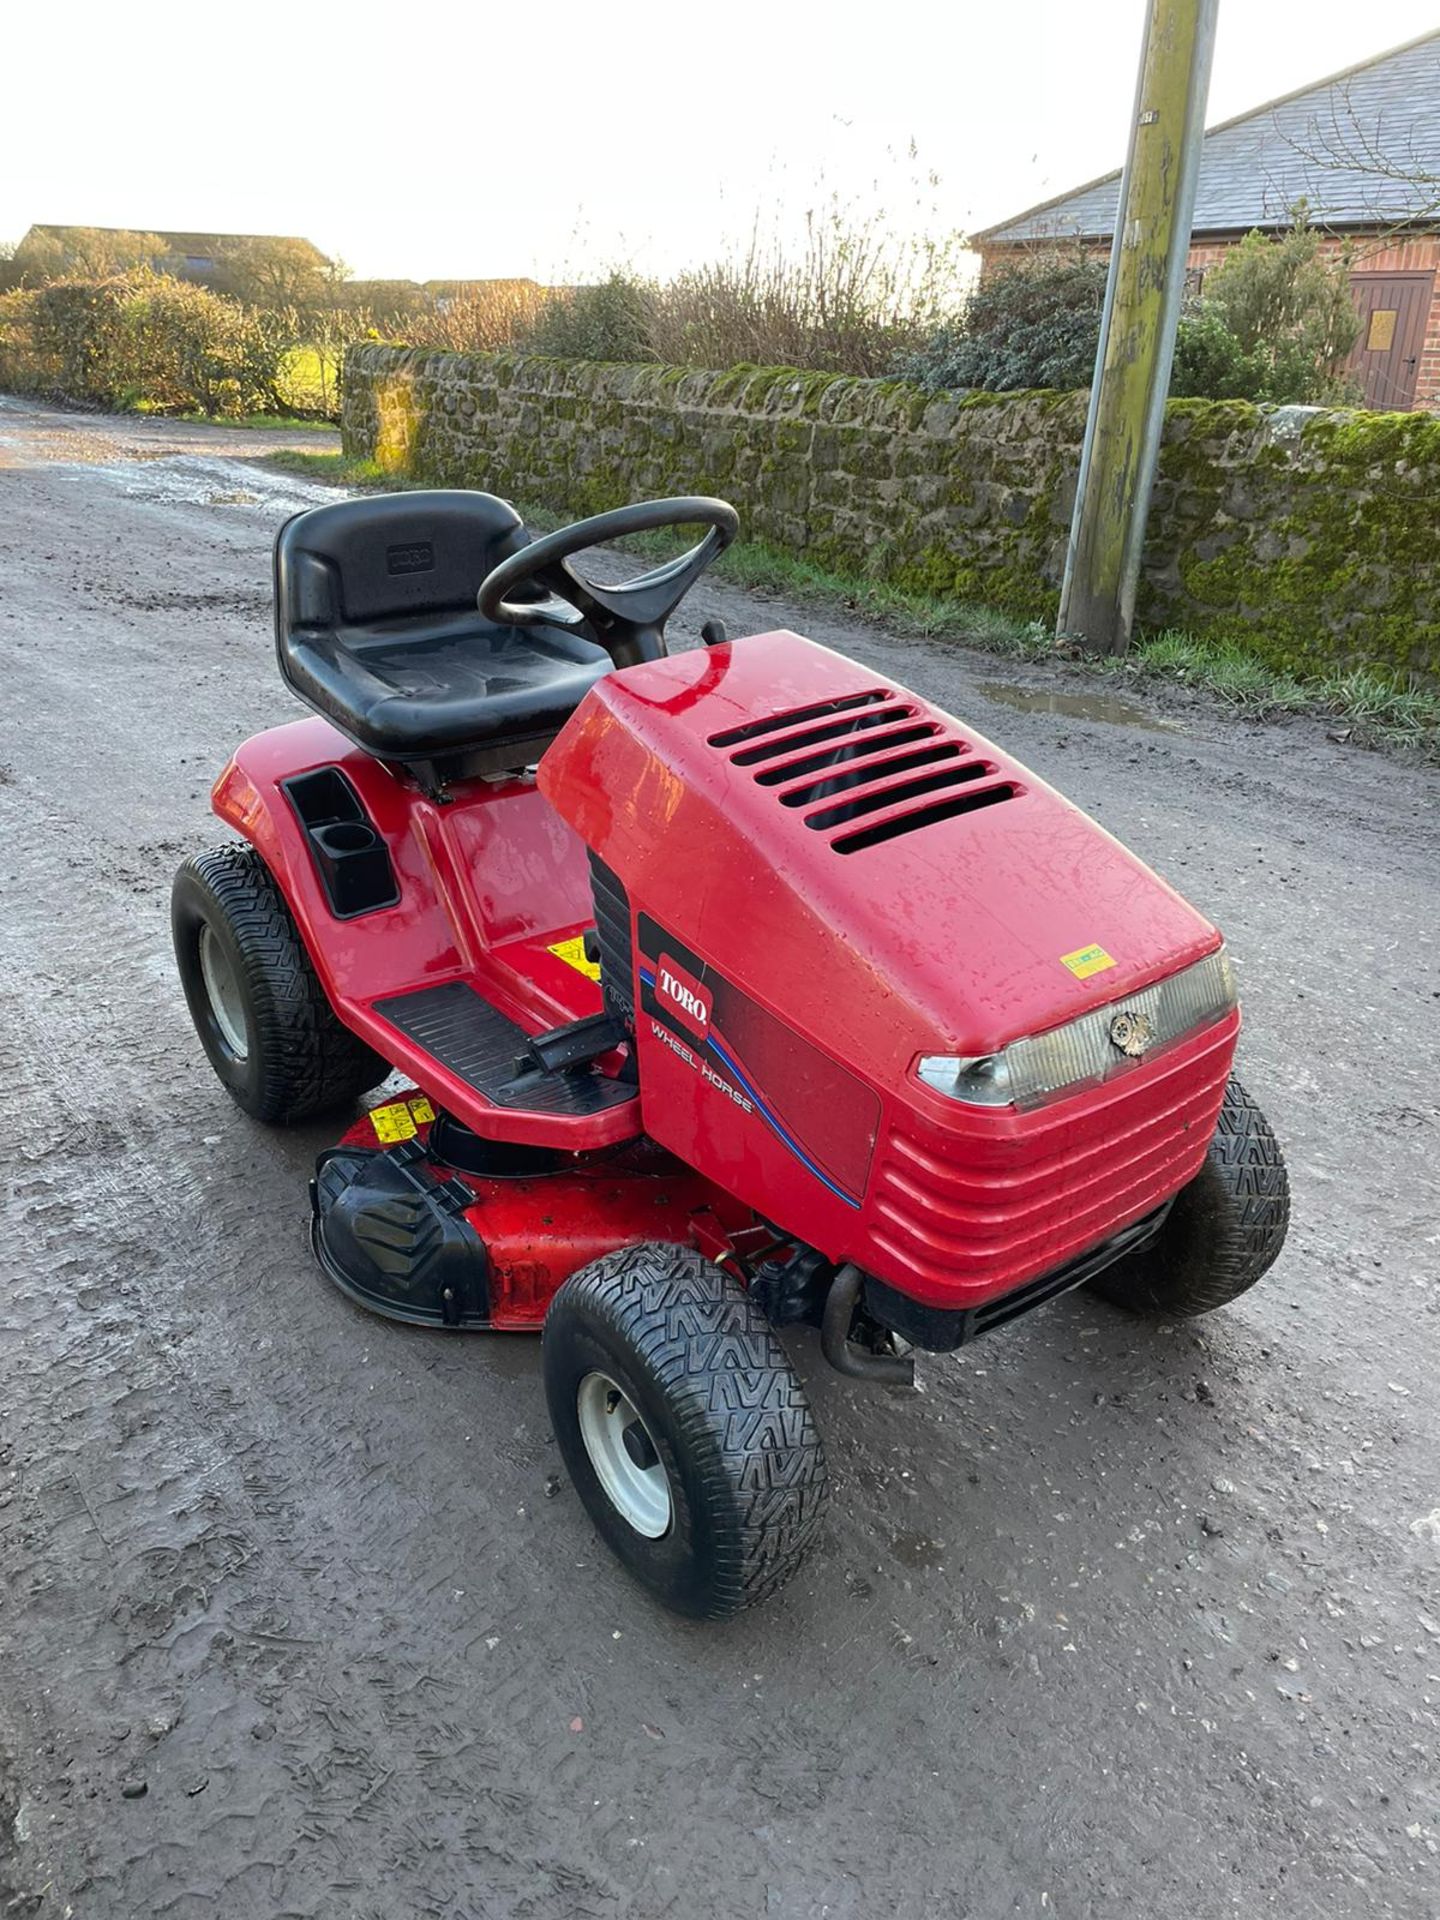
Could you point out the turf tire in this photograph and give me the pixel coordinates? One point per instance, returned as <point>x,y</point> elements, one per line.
<point>726,1412</point>
<point>299,1060</point>
<point>1224,1230</point>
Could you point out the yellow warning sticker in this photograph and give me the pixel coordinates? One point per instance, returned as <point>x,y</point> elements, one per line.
<point>1085,961</point>
<point>421,1111</point>
<point>572,952</point>
<point>393,1122</point>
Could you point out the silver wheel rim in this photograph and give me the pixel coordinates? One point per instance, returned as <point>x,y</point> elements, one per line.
<point>222,990</point>
<point>629,1469</point>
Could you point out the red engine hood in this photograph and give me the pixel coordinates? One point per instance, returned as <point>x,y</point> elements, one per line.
<point>873,871</point>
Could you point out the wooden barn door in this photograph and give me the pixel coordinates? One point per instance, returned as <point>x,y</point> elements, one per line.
<point>1393,310</point>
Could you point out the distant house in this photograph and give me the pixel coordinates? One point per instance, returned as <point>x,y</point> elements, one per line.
<point>1362,149</point>
<point>193,256</point>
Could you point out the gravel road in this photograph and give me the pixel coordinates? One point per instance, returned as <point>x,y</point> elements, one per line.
<point>1111,1619</point>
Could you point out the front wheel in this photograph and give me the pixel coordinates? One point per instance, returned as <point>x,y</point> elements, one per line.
<point>685,1430</point>
<point>1224,1230</point>
<point>261,1013</point>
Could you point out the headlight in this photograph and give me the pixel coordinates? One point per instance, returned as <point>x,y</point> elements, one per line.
<point>983,1081</point>
<point>1106,1041</point>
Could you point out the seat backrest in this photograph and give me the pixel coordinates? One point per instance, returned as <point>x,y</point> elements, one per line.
<point>389,557</point>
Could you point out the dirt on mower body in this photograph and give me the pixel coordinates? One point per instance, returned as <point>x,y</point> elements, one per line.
<point>731,989</point>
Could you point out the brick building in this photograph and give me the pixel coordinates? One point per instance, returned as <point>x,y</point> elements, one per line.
<point>1362,149</point>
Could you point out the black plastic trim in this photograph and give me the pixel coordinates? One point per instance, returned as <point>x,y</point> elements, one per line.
<point>351,859</point>
<point>615,941</point>
<point>943,1329</point>
<point>389,1228</point>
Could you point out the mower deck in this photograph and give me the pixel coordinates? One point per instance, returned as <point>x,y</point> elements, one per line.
<point>422,1220</point>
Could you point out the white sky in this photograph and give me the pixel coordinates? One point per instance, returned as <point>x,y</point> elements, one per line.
<point>455,140</point>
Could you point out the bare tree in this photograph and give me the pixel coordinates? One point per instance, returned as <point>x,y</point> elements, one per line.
<point>280,272</point>
<point>1397,164</point>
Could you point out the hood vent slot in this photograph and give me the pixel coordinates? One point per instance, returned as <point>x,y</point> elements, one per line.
<point>928,816</point>
<point>814,736</point>
<point>869,749</point>
<point>826,789</point>
<point>796,717</point>
<point>866,767</point>
<point>884,797</point>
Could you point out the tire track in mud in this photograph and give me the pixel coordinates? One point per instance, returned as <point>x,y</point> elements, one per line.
<point>151,1573</point>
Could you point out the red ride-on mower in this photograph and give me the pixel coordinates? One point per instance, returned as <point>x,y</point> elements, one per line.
<point>730,990</point>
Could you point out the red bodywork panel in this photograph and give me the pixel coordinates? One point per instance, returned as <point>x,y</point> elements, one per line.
<point>828,878</point>
<point>488,883</point>
<point>808,926</point>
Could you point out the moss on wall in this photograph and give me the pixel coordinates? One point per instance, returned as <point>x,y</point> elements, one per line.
<point>1311,537</point>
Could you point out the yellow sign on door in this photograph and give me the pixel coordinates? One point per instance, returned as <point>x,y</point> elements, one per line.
<point>1381,337</point>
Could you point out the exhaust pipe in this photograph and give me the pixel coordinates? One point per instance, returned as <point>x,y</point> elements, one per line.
<point>880,1369</point>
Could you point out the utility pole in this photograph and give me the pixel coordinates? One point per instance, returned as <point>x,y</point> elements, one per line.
<point>1137,329</point>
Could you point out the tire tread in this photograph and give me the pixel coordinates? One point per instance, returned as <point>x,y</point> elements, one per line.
<point>309,1061</point>
<point>1225,1230</point>
<point>735,1398</point>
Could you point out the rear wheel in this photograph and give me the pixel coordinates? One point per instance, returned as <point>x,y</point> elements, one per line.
<point>684,1427</point>
<point>1224,1230</point>
<point>257,1003</point>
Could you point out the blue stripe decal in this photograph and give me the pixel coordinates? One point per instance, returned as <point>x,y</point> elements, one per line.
<point>771,1120</point>
<point>778,1128</point>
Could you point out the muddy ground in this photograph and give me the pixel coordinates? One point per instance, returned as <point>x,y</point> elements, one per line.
<point>1112,1619</point>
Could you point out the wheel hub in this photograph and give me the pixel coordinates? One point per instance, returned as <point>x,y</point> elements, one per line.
<point>624,1456</point>
<point>222,990</point>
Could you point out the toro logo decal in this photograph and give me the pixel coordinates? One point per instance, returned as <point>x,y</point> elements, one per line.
<point>682,995</point>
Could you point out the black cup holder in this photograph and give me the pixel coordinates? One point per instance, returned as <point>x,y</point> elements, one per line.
<point>350,857</point>
<point>346,837</point>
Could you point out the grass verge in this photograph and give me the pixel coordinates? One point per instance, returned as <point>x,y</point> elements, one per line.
<point>263,422</point>
<point>1372,710</point>
<point>333,469</point>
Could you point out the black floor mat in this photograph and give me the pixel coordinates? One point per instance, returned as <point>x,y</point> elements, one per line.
<point>461,1030</point>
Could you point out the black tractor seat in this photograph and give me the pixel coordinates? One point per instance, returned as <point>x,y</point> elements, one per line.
<point>376,628</point>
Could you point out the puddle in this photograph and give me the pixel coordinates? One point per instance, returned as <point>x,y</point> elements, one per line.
<point>918,1550</point>
<point>182,479</point>
<point>1106,707</point>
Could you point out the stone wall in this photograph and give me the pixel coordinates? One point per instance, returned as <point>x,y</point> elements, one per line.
<point>1310,536</point>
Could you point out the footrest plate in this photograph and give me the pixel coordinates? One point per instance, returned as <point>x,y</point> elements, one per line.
<point>460,1029</point>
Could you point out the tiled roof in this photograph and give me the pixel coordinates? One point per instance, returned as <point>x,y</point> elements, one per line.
<point>1314,144</point>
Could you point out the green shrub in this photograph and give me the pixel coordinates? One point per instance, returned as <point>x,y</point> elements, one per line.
<point>1210,363</point>
<point>143,338</point>
<point>611,321</point>
<point>81,253</point>
<point>1289,305</point>
<point>1276,322</point>
<point>1034,323</point>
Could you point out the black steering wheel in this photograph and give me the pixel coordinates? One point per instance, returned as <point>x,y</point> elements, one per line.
<point>629,617</point>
